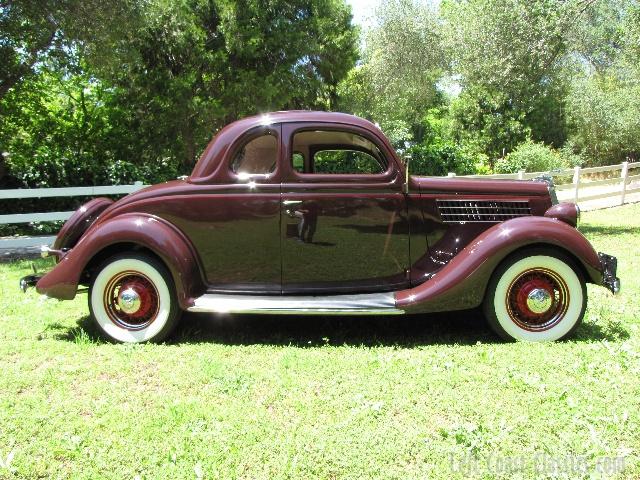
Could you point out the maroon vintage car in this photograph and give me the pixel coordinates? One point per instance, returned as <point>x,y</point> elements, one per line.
<point>264,225</point>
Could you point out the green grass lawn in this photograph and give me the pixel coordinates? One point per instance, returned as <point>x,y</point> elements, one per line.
<point>268,397</point>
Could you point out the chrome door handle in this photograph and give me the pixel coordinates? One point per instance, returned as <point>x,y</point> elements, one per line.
<point>289,207</point>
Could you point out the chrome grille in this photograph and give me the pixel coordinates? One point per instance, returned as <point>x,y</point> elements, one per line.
<point>481,210</point>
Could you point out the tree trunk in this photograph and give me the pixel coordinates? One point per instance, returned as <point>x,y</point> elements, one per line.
<point>189,152</point>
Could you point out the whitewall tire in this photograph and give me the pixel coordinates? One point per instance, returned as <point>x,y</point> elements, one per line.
<point>536,295</point>
<point>132,299</point>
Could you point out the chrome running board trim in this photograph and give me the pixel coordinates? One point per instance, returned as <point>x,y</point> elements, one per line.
<point>362,304</point>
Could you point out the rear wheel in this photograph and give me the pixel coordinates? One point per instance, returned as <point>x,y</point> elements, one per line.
<point>132,299</point>
<point>536,296</point>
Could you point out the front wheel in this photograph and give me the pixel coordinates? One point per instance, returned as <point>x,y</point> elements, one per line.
<point>536,296</point>
<point>132,299</point>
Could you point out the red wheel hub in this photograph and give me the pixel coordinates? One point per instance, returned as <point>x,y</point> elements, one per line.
<point>537,299</point>
<point>131,300</point>
<point>144,292</point>
<point>529,286</point>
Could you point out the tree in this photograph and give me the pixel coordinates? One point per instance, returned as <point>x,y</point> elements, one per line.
<point>598,39</point>
<point>632,41</point>
<point>33,31</point>
<point>604,102</point>
<point>510,56</point>
<point>405,58</point>
<point>201,64</point>
<point>402,62</point>
<point>487,122</point>
<point>130,96</point>
<point>605,119</point>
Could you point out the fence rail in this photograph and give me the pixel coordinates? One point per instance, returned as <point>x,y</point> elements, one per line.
<point>57,192</point>
<point>581,189</point>
<point>20,193</point>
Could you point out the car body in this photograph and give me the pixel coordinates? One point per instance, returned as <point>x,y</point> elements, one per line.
<point>315,212</point>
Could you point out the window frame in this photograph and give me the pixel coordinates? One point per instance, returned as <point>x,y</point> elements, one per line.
<point>243,141</point>
<point>293,175</point>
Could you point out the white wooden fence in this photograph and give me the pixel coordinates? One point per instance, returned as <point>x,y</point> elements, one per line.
<point>582,189</point>
<point>23,242</point>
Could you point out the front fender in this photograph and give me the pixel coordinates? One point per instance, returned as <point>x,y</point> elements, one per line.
<point>147,231</point>
<point>461,284</point>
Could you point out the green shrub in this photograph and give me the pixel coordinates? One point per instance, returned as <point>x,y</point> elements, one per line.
<point>532,157</point>
<point>440,159</point>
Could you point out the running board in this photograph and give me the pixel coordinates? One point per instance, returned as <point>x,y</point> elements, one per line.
<point>363,304</point>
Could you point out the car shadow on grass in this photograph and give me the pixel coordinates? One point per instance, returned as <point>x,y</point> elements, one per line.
<point>463,328</point>
<point>451,328</point>
<point>590,229</point>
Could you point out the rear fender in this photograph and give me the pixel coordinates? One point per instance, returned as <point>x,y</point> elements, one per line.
<point>147,231</point>
<point>79,222</point>
<point>462,283</point>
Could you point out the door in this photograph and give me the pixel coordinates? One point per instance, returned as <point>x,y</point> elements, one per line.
<point>344,217</point>
<point>234,223</point>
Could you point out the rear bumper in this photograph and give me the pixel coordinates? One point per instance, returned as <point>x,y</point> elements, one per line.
<point>29,281</point>
<point>609,269</point>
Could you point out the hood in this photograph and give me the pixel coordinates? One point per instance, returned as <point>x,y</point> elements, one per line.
<point>458,185</point>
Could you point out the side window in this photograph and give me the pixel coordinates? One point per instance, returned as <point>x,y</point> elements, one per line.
<point>258,156</point>
<point>335,152</point>
<point>345,161</point>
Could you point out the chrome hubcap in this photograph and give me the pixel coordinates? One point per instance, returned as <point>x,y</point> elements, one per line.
<point>539,300</point>
<point>129,301</point>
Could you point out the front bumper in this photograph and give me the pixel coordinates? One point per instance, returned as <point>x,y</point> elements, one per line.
<point>609,267</point>
<point>29,281</point>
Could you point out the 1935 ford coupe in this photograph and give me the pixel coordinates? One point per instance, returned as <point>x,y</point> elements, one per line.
<point>264,224</point>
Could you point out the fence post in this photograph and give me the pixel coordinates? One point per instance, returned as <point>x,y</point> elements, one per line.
<point>625,178</point>
<point>451,174</point>
<point>520,174</point>
<point>576,183</point>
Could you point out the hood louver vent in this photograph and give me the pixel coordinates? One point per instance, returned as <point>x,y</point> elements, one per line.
<point>481,210</point>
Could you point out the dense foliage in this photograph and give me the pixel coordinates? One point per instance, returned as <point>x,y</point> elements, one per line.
<point>96,92</point>
<point>554,79</point>
<point>107,105</point>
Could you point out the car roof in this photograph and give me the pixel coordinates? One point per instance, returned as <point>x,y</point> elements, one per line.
<point>212,156</point>
<point>286,116</point>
